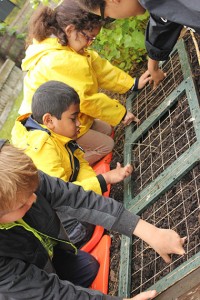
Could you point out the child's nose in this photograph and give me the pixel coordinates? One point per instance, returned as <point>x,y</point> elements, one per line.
<point>78,123</point>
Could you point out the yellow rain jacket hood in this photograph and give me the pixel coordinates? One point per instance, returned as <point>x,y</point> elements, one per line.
<point>53,154</point>
<point>86,73</point>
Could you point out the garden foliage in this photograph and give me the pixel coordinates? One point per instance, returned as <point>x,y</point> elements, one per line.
<point>122,42</point>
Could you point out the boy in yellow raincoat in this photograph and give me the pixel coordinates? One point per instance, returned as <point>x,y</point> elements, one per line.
<point>48,137</point>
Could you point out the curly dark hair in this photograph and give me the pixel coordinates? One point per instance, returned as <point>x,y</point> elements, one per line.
<point>46,21</point>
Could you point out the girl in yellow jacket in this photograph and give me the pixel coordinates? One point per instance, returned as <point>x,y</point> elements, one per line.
<point>59,39</point>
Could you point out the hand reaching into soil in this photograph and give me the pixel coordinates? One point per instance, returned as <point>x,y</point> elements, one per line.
<point>118,174</point>
<point>144,296</point>
<point>163,241</point>
<point>167,242</point>
<point>144,79</point>
<point>157,75</point>
<point>129,118</point>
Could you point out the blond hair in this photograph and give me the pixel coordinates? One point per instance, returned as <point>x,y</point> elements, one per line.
<point>18,176</point>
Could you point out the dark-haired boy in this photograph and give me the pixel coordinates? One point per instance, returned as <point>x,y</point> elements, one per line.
<point>48,137</point>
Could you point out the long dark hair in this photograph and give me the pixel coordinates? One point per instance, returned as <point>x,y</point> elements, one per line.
<point>47,21</point>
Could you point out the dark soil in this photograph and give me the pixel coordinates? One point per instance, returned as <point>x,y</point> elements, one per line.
<point>151,266</point>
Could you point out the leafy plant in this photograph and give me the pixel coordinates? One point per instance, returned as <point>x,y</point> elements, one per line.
<point>5,29</point>
<point>122,42</point>
<point>35,3</point>
<point>5,131</point>
<point>21,36</point>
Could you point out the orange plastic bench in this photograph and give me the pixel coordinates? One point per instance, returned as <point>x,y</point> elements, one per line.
<point>97,234</point>
<point>101,167</point>
<point>99,246</point>
<point>102,254</point>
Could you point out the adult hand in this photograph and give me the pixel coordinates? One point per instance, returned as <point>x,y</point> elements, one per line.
<point>157,75</point>
<point>144,296</point>
<point>129,118</point>
<point>118,174</point>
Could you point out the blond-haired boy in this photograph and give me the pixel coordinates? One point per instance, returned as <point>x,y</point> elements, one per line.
<point>36,258</point>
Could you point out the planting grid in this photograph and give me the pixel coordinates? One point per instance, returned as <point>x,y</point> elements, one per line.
<point>148,100</point>
<point>177,209</point>
<point>163,143</point>
<point>165,186</point>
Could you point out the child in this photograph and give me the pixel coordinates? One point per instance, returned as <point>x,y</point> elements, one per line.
<point>58,52</point>
<point>167,18</point>
<point>36,258</point>
<point>48,137</point>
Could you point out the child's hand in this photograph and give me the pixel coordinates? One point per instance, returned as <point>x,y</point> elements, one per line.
<point>144,79</point>
<point>118,174</point>
<point>129,118</point>
<point>144,296</point>
<point>166,242</point>
<point>163,241</point>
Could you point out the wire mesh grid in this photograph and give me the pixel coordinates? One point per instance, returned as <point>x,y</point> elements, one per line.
<point>148,100</point>
<point>177,209</point>
<point>164,142</point>
<point>162,190</point>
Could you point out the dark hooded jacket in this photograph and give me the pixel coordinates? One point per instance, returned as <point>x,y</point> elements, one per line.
<point>26,271</point>
<point>167,18</point>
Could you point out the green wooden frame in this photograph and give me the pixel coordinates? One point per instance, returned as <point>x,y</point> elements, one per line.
<point>165,180</point>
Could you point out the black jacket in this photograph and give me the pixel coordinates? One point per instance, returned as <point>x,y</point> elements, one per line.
<point>25,268</point>
<point>167,18</point>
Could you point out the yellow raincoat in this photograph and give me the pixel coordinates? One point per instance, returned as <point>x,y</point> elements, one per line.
<point>51,154</point>
<point>48,60</point>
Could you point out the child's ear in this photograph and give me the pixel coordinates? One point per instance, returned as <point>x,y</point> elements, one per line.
<point>48,121</point>
<point>69,29</point>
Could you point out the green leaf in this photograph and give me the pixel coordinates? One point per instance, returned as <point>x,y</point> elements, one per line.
<point>123,43</point>
<point>2,27</point>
